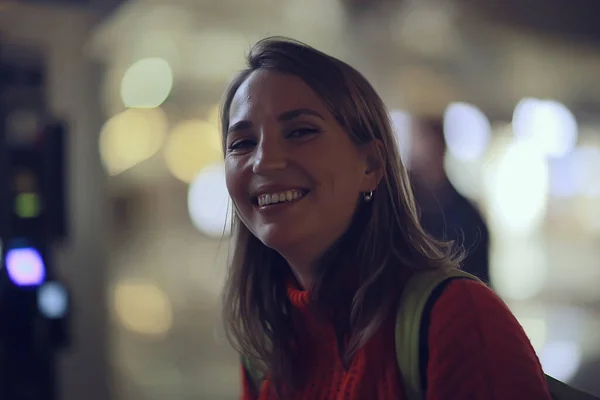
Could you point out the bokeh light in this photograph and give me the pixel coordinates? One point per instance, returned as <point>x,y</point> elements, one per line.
<point>25,266</point>
<point>587,170</point>
<point>549,124</point>
<point>131,137</point>
<point>518,189</point>
<point>53,300</point>
<point>533,321</point>
<point>562,354</point>
<point>465,176</point>
<point>564,177</point>
<point>518,270</point>
<point>561,359</point>
<point>143,308</point>
<point>147,83</point>
<point>191,146</point>
<point>208,202</point>
<point>402,123</point>
<point>467,131</point>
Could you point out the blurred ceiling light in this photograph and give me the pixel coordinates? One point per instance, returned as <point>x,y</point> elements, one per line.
<point>191,146</point>
<point>131,137</point>
<point>549,124</point>
<point>465,176</point>
<point>208,202</point>
<point>561,359</point>
<point>402,123</point>
<point>467,131</point>
<point>143,308</point>
<point>518,189</point>
<point>147,83</point>
<point>518,269</point>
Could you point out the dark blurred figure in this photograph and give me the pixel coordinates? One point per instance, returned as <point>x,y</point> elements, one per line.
<point>445,213</point>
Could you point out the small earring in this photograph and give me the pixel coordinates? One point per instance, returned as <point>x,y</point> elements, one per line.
<point>368,196</point>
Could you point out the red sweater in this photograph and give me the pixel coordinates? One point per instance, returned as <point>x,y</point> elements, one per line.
<point>477,350</point>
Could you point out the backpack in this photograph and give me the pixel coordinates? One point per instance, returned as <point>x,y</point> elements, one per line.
<point>415,297</point>
<point>413,303</point>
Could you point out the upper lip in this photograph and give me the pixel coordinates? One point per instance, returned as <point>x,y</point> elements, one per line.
<point>272,188</point>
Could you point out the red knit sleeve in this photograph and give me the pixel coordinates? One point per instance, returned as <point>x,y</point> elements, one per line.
<point>247,392</point>
<point>478,350</point>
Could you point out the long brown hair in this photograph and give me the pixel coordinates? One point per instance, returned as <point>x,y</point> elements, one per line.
<point>383,245</point>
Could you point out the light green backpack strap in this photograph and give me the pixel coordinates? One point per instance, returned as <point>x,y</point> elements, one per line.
<point>413,300</point>
<point>256,377</point>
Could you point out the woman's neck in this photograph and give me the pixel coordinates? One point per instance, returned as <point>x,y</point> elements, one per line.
<point>302,268</point>
<point>304,276</point>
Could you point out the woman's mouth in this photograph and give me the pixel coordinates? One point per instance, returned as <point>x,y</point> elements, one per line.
<point>287,196</point>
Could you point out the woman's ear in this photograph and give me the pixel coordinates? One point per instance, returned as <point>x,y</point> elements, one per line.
<point>374,153</point>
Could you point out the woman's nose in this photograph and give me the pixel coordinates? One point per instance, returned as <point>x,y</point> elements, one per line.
<point>270,155</point>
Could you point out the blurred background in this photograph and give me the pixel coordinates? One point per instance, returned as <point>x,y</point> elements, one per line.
<point>136,84</point>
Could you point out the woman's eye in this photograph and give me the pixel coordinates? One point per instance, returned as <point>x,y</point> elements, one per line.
<point>241,144</point>
<point>302,132</point>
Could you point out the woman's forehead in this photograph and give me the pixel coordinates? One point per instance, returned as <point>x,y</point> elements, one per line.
<point>269,92</point>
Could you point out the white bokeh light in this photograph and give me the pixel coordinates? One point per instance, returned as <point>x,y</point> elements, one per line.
<point>577,173</point>
<point>465,176</point>
<point>587,170</point>
<point>147,83</point>
<point>53,300</point>
<point>518,269</point>
<point>561,359</point>
<point>563,176</point>
<point>533,320</point>
<point>562,354</point>
<point>467,131</point>
<point>208,202</point>
<point>549,124</point>
<point>402,123</point>
<point>518,189</point>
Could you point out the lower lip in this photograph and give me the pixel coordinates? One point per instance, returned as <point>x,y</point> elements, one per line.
<point>277,207</point>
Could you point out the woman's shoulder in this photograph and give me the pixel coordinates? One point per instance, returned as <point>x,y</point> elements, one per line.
<point>477,346</point>
<point>472,294</point>
<point>471,305</point>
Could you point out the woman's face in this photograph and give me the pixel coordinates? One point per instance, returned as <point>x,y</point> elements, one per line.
<point>293,173</point>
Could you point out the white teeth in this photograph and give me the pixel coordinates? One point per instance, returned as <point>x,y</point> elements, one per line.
<point>274,198</point>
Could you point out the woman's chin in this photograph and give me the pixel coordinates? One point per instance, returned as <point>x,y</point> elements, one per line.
<point>277,242</point>
<point>279,238</point>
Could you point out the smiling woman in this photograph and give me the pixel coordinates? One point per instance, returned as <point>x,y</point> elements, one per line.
<point>326,236</point>
<point>282,140</point>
